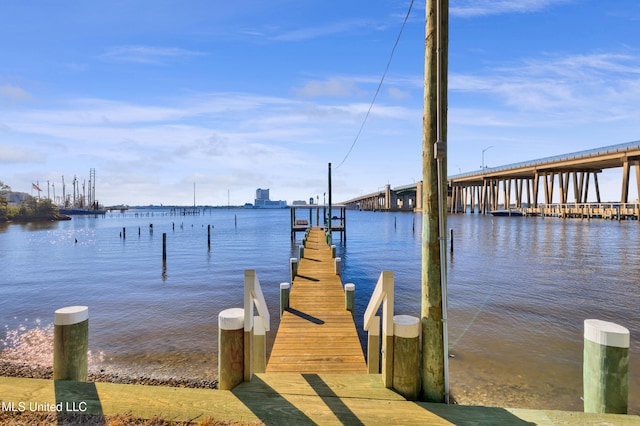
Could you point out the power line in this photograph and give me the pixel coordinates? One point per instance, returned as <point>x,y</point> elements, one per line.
<point>379,85</point>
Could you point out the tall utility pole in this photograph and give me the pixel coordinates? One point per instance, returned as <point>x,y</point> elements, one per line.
<point>433,374</point>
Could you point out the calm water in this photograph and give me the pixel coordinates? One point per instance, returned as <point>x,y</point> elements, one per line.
<point>519,290</point>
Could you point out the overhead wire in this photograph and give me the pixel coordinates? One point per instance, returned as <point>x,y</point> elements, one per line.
<point>364,121</point>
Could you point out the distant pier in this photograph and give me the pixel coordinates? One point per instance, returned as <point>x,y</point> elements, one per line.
<point>307,216</point>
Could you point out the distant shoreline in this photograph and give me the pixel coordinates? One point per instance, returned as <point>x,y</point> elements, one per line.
<point>28,219</point>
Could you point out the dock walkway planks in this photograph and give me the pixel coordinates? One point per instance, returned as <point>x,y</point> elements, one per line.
<point>317,334</point>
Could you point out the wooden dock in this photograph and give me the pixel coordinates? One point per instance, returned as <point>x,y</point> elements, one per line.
<point>317,334</point>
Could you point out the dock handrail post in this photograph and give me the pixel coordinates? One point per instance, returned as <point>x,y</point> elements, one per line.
<point>252,295</point>
<point>285,290</point>
<point>259,345</point>
<point>293,268</point>
<point>606,367</point>
<point>71,343</point>
<point>383,294</point>
<point>373,346</point>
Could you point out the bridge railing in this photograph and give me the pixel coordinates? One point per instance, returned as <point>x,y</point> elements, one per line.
<point>382,295</point>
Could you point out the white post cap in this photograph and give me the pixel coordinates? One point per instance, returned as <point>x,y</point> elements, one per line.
<point>70,315</point>
<point>231,319</point>
<point>349,287</point>
<point>606,333</point>
<point>293,260</point>
<point>285,286</point>
<point>406,326</point>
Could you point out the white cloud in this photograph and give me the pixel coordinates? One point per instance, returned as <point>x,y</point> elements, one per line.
<point>10,154</point>
<point>331,87</point>
<point>398,94</point>
<point>575,87</point>
<point>471,8</point>
<point>14,93</point>
<point>328,29</point>
<point>148,54</point>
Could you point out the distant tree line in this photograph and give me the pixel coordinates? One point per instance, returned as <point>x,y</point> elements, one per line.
<point>30,209</point>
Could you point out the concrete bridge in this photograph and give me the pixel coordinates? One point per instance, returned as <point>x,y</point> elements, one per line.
<point>389,199</point>
<point>528,184</point>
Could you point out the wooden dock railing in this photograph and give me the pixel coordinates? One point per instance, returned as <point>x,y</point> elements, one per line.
<point>255,327</point>
<point>382,294</point>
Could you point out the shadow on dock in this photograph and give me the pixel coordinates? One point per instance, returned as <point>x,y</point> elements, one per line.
<point>304,316</point>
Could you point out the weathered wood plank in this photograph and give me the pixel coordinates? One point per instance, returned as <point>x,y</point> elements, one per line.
<point>317,333</point>
<point>276,399</point>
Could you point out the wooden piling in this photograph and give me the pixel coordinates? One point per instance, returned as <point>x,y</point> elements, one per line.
<point>338,265</point>
<point>71,343</point>
<point>333,251</point>
<point>350,298</point>
<point>606,367</point>
<point>164,246</point>
<point>209,236</point>
<point>230,348</point>
<point>293,267</point>
<point>301,251</point>
<point>406,356</point>
<point>285,291</point>
<point>124,233</point>
<point>451,240</point>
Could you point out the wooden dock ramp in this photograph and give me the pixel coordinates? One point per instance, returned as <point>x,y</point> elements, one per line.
<point>317,334</point>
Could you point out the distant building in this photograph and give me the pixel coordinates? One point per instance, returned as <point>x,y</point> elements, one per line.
<point>15,198</point>
<point>299,203</point>
<point>262,201</point>
<point>262,194</point>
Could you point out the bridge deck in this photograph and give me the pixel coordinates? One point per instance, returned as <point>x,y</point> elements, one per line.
<point>317,334</point>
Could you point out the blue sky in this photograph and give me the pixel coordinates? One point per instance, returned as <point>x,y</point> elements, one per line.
<point>156,95</point>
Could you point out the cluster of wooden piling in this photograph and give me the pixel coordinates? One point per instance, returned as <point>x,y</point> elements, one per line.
<point>123,235</point>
